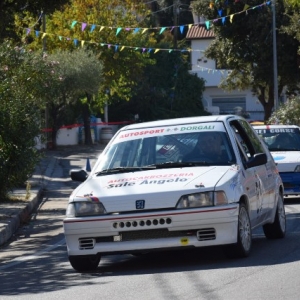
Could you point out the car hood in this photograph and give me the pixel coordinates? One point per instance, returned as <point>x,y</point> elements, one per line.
<point>159,188</point>
<point>286,160</point>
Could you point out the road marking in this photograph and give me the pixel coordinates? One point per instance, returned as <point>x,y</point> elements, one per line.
<point>20,260</point>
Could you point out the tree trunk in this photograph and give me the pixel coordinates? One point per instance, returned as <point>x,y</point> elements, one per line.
<point>87,124</point>
<point>268,104</point>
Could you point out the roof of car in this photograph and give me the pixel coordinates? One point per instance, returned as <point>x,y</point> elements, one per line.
<point>181,121</point>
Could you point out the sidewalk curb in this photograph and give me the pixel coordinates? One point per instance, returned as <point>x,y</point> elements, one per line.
<point>13,224</point>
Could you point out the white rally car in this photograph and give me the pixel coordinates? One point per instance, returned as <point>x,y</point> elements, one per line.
<point>156,187</point>
<point>283,142</point>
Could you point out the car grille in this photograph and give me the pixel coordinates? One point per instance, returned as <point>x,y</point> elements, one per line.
<point>138,235</point>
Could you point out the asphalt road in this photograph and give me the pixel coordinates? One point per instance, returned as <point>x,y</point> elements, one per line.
<point>35,264</point>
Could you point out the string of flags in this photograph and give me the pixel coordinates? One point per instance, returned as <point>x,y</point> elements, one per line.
<point>93,27</point>
<point>115,47</point>
<point>135,30</point>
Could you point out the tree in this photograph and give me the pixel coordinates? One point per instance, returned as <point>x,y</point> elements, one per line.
<point>120,48</point>
<point>106,35</point>
<point>19,116</point>
<point>244,45</point>
<point>67,82</point>
<point>288,113</point>
<point>21,8</point>
<point>166,90</point>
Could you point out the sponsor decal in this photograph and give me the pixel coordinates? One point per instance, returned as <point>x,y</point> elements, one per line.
<point>136,134</point>
<point>279,157</point>
<point>184,241</point>
<point>141,133</point>
<point>157,176</point>
<point>276,130</point>
<point>146,182</point>
<point>197,127</point>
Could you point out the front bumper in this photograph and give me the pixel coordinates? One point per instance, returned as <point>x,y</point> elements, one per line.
<point>112,234</point>
<point>291,182</point>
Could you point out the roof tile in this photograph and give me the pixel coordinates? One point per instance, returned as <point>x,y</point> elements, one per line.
<point>199,32</point>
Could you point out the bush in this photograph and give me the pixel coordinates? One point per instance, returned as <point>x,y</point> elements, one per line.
<point>288,113</point>
<point>19,119</point>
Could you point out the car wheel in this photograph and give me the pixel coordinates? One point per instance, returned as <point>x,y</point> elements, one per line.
<point>276,230</point>
<point>244,239</point>
<point>84,262</point>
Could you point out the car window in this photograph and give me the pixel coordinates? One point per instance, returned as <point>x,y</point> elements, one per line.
<point>281,139</point>
<point>167,145</point>
<point>248,143</point>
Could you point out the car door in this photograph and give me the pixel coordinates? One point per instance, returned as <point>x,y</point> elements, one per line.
<point>260,183</point>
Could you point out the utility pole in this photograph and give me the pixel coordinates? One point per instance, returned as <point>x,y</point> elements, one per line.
<point>276,104</point>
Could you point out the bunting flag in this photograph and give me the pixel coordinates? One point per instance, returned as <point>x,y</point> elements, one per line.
<point>118,30</point>
<point>181,27</point>
<point>93,27</point>
<point>207,24</point>
<point>162,30</point>
<point>117,47</point>
<point>73,24</point>
<point>83,25</point>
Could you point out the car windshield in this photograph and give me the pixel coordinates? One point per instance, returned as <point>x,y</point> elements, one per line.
<point>167,147</point>
<point>281,139</point>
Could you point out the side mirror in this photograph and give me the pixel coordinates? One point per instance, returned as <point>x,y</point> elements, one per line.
<point>257,160</point>
<point>78,175</point>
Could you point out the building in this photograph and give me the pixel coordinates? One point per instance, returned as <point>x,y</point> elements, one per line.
<point>215,99</point>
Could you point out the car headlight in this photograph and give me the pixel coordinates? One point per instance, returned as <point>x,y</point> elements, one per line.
<point>202,199</point>
<point>85,209</point>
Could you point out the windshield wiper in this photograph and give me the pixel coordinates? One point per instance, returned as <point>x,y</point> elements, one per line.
<point>124,170</point>
<point>170,164</point>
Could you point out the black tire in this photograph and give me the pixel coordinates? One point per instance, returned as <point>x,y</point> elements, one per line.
<point>244,236</point>
<point>83,263</point>
<point>277,229</point>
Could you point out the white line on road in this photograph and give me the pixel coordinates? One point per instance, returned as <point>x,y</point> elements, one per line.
<point>19,260</point>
